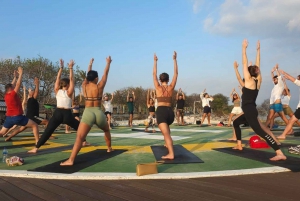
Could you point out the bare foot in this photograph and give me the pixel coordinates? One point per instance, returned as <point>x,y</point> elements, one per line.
<point>169,156</point>
<point>109,149</point>
<point>278,158</point>
<point>153,131</point>
<point>68,132</point>
<point>85,144</point>
<point>228,125</point>
<point>66,163</point>
<point>237,147</point>
<point>281,137</point>
<point>8,139</point>
<point>146,129</point>
<point>33,151</point>
<point>231,139</point>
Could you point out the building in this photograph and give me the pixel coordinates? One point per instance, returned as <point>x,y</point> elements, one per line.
<point>2,111</point>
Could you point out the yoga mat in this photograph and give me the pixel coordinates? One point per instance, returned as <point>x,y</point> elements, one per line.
<point>143,130</point>
<point>17,145</point>
<point>297,134</point>
<point>291,163</point>
<point>44,151</point>
<point>82,161</point>
<point>182,155</point>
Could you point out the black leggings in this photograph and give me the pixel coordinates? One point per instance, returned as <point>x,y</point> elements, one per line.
<point>250,115</point>
<point>60,116</point>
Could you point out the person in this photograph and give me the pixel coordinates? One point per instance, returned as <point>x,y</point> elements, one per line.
<point>63,89</point>
<point>14,111</point>
<point>206,99</point>
<point>151,109</point>
<point>92,114</point>
<point>164,112</point>
<point>130,105</point>
<point>296,115</point>
<point>32,109</point>
<point>253,80</point>
<point>75,110</point>
<point>180,98</point>
<point>275,99</point>
<point>236,110</point>
<point>108,107</point>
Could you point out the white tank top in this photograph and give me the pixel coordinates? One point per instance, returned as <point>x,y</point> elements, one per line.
<point>63,100</point>
<point>107,106</point>
<point>285,100</point>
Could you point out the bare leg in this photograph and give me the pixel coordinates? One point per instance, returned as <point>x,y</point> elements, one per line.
<point>35,129</point>
<point>239,145</point>
<point>203,118</point>
<point>270,116</point>
<point>130,120</point>
<point>208,119</point>
<point>108,120</point>
<point>165,129</point>
<point>233,138</point>
<point>286,121</point>
<point>182,120</point>
<point>16,132</point>
<point>3,130</point>
<point>288,127</point>
<point>229,120</point>
<point>107,137</point>
<point>12,128</point>
<point>178,117</point>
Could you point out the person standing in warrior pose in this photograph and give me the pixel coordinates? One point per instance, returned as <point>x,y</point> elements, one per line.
<point>275,99</point>
<point>63,89</point>
<point>236,110</point>
<point>252,85</point>
<point>180,98</point>
<point>32,109</point>
<point>14,114</point>
<point>164,113</point>
<point>92,114</point>
<point>205,98</point>
<point>108,108</point>
<point>151,108</point>
<point>130,105</point>
<point>296,115</point>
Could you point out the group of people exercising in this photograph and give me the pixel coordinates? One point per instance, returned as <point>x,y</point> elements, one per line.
<point>92,91</point>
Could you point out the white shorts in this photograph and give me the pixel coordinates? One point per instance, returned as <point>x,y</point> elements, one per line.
<point>237,110</point>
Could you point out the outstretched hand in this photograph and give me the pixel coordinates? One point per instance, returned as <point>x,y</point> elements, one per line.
<point>15,73</point>
<point>91,61</point>
<point>108,60</point>
<point>155,57</point>
<point>276,67</point>
<point>20,70</point>
<point>245,43</point>
<point>258,45</point>
<point>71,64</point>
<point>250,63</point>
<point>235,64</point>
<point>61,61</point>
<point>24,87</point>
<point>36,80</point>
<point>175,55</point>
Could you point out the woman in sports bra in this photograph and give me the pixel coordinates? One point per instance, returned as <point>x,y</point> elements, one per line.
<point>164,112</point>
<point>236,110</point>
<point>250,90</point>
<point>151,108</point>
<point>92,90</point>
<point>63,89</point>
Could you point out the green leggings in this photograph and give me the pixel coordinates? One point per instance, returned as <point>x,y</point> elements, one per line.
<point>94,115</point>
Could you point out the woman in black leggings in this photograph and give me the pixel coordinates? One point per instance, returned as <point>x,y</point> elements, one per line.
<point>250,90</point>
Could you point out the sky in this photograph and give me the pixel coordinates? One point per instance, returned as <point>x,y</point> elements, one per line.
<point>207,36</point>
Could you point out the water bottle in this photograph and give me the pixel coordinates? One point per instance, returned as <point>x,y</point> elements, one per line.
<point>4,155</point>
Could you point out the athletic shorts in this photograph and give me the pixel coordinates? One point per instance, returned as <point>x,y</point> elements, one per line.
<point>130,112</point>
<point>19,120</point>
<point>236,110</point>
<point>37,120</point>
<point>206,109</point>
<point>164,114</point>
<point>76,114</point>
<point>287,110</point>
<point>94,115</point>
<point>277,107</point>
<point>296,113</point>
<point>106,113</point>
<point>181,111</point>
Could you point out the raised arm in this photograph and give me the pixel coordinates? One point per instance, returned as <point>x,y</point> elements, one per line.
<point>240,87</point>
<point>155,79</point>
<point>272,72</point>
<point>154,95</point>
<point>231,94</point>
<point>202,93</point>
<point>148,97</point>
<point>246,73</point>
<point>24,98</point>
<point>37,87</point>
<point>289,77</point>
<point>13,82</point>
<point>174,80</point>
<point>103,80</point>
<point>285,87</point>
<point>237,73</point>
<point>18,83</point>
<point>72,79</point>
<point>127,99</point>
<point>257,63</point>
<point>80,97</point>
<point>133,95</point>
<point>183,96</point>
<point>90,65</point>
<point>56,86</point>
<point>112,97</point>
<point>178,93</point>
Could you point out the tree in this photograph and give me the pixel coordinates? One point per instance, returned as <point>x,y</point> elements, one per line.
<point>220,105</point>
<point>263,109</point>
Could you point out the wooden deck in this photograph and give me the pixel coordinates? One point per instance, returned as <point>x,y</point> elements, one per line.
<point>262,187</point>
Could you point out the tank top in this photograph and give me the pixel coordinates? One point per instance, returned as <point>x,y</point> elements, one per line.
<point>32,107</point>
<point>285,100</point>
<point>249,95</point>
<point>63,100</point>
<point>13,104</point>
<point>151,108</point>
<point>180,104</point>
<point>107,106</point>
<point>237,103</point>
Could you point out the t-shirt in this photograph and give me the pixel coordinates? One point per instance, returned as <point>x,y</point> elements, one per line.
<point>205,101</point>
<point>107,106</point>
<point>180,104</point>
<point>130,106</point>
<point>32,108</point>
<point>277,90</point>
<point>297,82</point>
<point>13,104</point>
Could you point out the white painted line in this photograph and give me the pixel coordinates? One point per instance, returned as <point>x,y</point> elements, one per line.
<point>127,176</point>
<point>198,131</point>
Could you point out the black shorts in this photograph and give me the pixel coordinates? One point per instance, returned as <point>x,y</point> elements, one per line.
<point>106,113</point>
<point>130,112</point>
<point>76,114</point>
<point>181,111</point>
<point>37,120</point>
<point>206,110</point>
<point>297,113</point>
<point>164,114</point>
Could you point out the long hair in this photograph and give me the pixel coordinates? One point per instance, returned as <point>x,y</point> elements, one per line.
<point>252,70</point>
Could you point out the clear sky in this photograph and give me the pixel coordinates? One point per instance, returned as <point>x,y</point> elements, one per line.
<point>207,36</point>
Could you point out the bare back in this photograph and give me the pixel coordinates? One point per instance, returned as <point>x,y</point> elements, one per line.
<point>92,94</point>
<point>164,95</point>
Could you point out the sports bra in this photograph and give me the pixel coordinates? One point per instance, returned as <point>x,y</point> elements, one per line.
<point>165,98</point>
<point>92,98</point>
<point>249,95</point>
<point>151,108</point>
